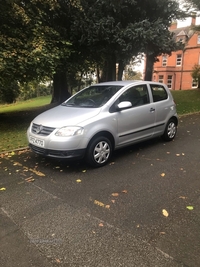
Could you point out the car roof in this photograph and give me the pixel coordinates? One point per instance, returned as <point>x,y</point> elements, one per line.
<point>118,82</point>
<point>126,82</point>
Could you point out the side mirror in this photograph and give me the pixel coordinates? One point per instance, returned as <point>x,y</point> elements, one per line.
<point>124,105</point>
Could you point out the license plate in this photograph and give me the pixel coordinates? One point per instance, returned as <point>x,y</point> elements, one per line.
<point>36,141</point>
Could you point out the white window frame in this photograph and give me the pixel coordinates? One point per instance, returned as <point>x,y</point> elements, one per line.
<point>169,81</point>
<point>194,83</point>
<point>164,60</point>
<point>198,39</point>
<point>178,60</point>
<point>160,78</point>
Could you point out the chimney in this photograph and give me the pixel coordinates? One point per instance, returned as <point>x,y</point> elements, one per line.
<point>193,15</point>
<point>173,25</point>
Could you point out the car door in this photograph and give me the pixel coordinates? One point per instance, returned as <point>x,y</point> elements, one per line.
<point>137,122</point>
<point>163,106</point>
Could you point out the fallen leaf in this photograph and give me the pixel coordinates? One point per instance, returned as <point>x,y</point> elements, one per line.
<point>177,155</point>
<point>125,191</point>
<point>37,172</point>
<point>101,224</point>
<point>115,194</point>
<point>162,233</point>
<point>113,201</point>
<point>107,206</point>
<point>162,174</point>
<point>165,213</point>
<point>190,207</point>
<point>30,179</point>
<point>58,261</point>
<point>2,189</point>
<point>182,197</point>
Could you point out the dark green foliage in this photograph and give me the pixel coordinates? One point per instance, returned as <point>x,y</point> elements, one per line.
<point>58,39</point>
<point>9,92</point>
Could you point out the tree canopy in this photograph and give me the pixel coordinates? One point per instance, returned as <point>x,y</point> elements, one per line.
<point>58,38</point>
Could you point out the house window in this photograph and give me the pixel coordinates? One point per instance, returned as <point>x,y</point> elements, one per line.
<point>164,60</point>
<point>169,81</point>
<point>160,78</point>
<point>194,83</point>
<point>178,60</point>
<point>198,40</point>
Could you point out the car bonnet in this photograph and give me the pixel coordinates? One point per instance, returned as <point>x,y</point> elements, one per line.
<point>63,116</point>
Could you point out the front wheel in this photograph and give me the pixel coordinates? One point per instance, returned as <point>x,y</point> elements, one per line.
<point>170,130</point>
<point>99,152</point>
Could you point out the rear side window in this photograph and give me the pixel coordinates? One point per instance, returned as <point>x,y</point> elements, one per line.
<point>159,93</point>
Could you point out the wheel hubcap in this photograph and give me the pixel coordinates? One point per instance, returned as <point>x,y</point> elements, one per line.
<point>171,130</point>
<point>101,152</point>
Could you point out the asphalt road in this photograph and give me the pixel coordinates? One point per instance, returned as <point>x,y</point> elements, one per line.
<point>143,209</point>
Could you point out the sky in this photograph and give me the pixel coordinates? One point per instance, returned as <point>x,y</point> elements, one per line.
<point>187,22</point>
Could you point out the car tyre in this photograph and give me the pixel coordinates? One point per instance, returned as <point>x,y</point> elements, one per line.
<point>99,151</point>
<point>170,130</point>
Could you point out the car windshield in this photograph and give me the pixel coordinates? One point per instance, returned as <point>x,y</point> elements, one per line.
<point>93,96</point>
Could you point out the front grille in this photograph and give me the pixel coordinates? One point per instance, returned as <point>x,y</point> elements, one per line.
<point>41,130</point>
<point>58,153</point>
<point>38,150</point>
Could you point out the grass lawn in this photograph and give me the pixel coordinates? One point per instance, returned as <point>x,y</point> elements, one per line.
<point>187,101</point>
<point>15,118</point>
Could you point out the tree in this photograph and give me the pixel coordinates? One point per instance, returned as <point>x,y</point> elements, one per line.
<point>157,38</point>
<point>189,5</point>
<point>63,37</point>
<point>126,29</point>
<point>33,45</point>
<point>9,92</point>
<point>196,74</point>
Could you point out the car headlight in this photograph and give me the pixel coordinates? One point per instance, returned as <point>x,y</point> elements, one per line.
<point>70,131</point>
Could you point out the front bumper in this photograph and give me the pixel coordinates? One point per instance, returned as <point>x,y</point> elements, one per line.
<point>63,154</point>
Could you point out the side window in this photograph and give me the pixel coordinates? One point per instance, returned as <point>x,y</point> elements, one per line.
<point>137,95</point>
<point>159,93</point>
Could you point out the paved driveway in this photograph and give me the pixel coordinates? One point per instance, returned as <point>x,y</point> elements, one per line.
<point>143,209</point>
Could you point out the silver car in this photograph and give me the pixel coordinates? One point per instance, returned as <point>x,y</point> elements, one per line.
<point>102,118</point>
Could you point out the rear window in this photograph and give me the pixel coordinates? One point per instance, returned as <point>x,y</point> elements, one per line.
<point>159,93</point>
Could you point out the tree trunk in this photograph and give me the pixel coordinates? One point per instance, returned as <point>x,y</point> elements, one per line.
<point>120,70</point>
<point>109,69</point>
<point>60,88</point>
<point>150,59</point>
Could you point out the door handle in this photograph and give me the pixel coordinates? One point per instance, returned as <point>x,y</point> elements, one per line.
<point>152,109</point>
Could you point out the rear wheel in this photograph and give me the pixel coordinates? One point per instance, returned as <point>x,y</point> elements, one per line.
<point>99,151</point>
<point>170,130</point>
